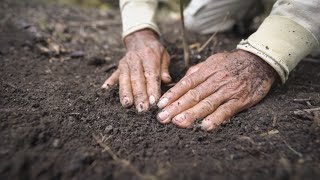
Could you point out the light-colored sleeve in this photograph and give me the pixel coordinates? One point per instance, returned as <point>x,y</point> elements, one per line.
<point>137,15</point>
<point>287,35</point>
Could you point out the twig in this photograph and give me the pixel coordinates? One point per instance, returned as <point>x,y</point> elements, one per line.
<point>184,41</point>
<point>106,147</point>
<point>271,132</point>
<point>213,35</point>
<point>98,23</point>
<point>301,100</point>
<point>312,110</point>
<point>207,42</point>
<point>293,150</point>
<point>274,121</point>
<point>123,162</point>
<point>308,85</point>
<point>311,60</point>
<point>110,67</point>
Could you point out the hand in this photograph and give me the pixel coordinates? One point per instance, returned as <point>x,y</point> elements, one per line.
<point>216,90</point>
<point>140,71</point>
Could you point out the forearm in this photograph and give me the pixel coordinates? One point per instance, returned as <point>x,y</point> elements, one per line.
<point>289,34</point>
<point>137,15</point>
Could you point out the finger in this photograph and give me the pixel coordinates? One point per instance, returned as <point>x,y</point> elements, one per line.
<point>200,110</point>
<point>193,69</point>
<point>151,66</point>
<point>125,89</point>
<point>181,88</point>
<point>188,100</point>
<point>138,83</point>
<point>165,75</point>
<point>223,113</point>
<point>112,80</point>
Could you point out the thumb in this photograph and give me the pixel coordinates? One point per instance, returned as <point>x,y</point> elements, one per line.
<point>193,69</point>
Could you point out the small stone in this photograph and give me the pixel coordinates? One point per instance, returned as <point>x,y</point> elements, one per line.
<point>56,143</point>
<point>108,129</point>
<point>77,54</point>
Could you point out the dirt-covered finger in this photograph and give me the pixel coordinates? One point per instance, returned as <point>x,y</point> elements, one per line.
<point>181,88</point>
<point>221,114</point>
<point>165,75</point>
<point>185,102</point>
<point>200,110</point>
<point>112,80</point>
<point>138,83</point>
<point>125,89</point>
<point>151,66</point>
<point>193,69</point>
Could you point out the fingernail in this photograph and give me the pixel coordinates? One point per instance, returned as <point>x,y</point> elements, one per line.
<point>105,86</point>
<point>163,102</point>
<point>207,125</point>
<point>152,100</point>
<point>126,102</point>
<point>179,118</point>
<point>141,107</point>
<point>163,115</point>
<point>168,77</point>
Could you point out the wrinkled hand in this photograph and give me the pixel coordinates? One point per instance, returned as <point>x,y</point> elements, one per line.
<point>141,71</point>
<point>216,90</point>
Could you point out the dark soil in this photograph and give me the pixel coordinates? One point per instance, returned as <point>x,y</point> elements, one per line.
<point>56,123</point>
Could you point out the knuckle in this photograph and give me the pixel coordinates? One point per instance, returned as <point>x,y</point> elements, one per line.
<point>208,105</point>
<point>174,107</point>
<point>136,81</point>
<point>227,112</point>
<point>190,70</point>
<point>150,72</point>
<point>123,60</point>
<point>170,94</point>
<point>148,50</point>
<point>187,82</point>
<point>195,67</point>
<point>152,76</point>
<point>129,55</point>
<point>194,95</point>
<point>230,110</point>
<point>139,96</point>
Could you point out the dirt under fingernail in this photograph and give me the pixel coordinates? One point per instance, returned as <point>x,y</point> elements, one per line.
<point>152,100</point>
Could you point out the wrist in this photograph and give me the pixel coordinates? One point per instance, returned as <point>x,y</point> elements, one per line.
<point>269,71</point>
<point>139,37</point>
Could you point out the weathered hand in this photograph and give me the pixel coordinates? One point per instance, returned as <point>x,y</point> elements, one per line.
<point>140,71</point>
<point>216,90</point>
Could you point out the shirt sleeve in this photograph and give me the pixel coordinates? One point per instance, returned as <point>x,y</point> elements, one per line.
<point>287,35</point>
<point>137,15</point>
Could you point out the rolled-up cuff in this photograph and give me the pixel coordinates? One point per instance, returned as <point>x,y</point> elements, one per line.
<point>138,27</point>
<point>281,42</point>
<point>137,15</point>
